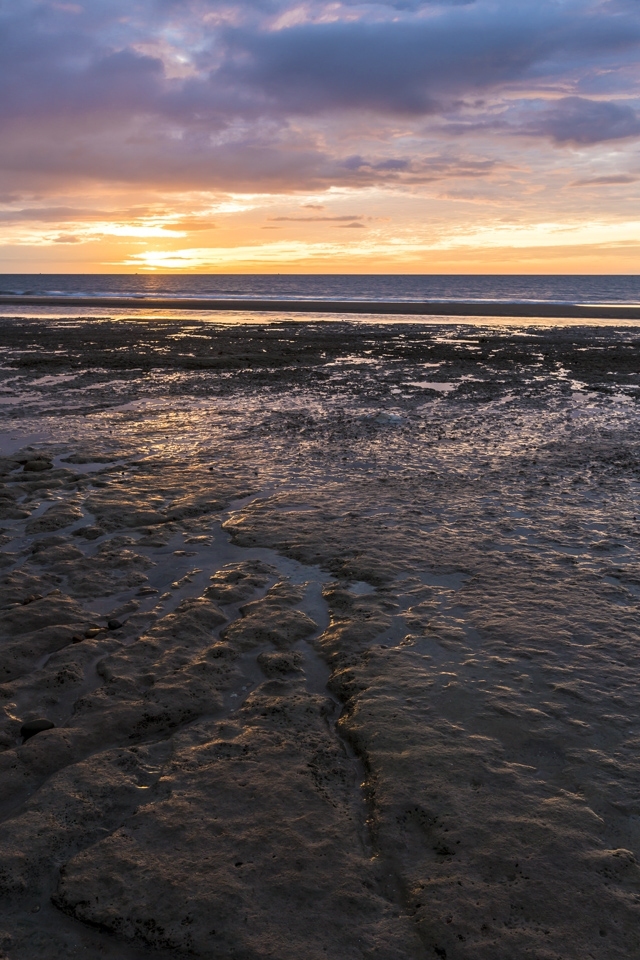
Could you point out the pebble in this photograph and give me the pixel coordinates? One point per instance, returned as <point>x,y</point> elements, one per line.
<point>31,727</point>
<point>114,624</point>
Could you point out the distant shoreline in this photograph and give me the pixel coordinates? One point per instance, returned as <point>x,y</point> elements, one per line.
<point>439,308</point>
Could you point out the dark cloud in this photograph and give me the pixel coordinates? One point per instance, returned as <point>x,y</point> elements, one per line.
<point>415,66</point>
<point>576,120</point>
<point>405,65</point>
<point>612,181</point>
<point>392,164</point>
<point>568,120</point>
<point>44,214</point>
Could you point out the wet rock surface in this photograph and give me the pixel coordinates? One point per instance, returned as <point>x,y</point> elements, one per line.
<point>335,627</point>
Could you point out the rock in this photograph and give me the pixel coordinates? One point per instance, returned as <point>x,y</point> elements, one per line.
<point>237,582</point>
<point>114,624</point>
<point>19,656</point>
<point>32,727</point>
<point>111,568</point>
<point>280,664</point>
<point>22,583</point>
<point>37,465</point>
<point>57,517</point>
<point>89,533</point>
<point>116,510</point>
<point>7,465</point>
<point>50,611</point>
<point>271,620</point>
<point>10,512</point>
<point>192,506</point>
<point>55,550</point>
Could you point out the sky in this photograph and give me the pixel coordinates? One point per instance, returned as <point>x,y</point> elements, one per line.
<point>276,136</point>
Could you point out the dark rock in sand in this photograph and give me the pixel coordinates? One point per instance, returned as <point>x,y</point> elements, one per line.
<point>236,582</point>
<point>7,465</point>
<point>32,727</point>
<point>89,533</point>
<point>19,656</point>
<point>114,624</point>
<point>192,506</point>
<point>271,620</point>
<point>57,517</point>
<point>280,664</point>
<point>9,511</point>
<point>50,611</point>
<point>37,465</point>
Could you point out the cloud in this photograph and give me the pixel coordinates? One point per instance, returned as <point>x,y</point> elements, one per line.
<point>315,219</point>
<point>45,214</point>
<point>577,120</point>
<point>613,180</point>
<point>341,221</point>
<point>91,91</point>
<point>416,65</point>
<point>407,65</point>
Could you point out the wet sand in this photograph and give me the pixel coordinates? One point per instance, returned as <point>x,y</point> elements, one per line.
<point>420,308</point>
<point>338,627</point>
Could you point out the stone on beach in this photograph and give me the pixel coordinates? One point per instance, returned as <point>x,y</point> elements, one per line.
<point>37,465</point>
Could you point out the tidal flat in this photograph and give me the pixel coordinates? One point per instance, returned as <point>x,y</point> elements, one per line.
<point>338,627</point>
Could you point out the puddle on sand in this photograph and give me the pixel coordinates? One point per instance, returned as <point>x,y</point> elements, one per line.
<point>361,588</point>
<point>12,441</point>
<point>439,387</point>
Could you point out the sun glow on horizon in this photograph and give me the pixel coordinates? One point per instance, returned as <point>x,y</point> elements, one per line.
<point>382,231</point>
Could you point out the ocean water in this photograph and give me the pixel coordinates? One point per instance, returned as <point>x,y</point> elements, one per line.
<point>554,289</point>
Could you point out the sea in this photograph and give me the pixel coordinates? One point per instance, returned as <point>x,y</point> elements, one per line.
<point>80,288</point>
<point>513,289</point>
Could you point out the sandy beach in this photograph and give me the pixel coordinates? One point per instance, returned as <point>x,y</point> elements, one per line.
<point>337,627</point>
